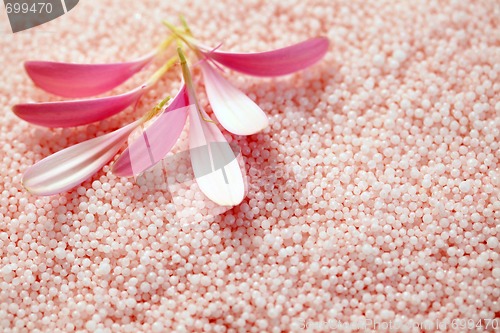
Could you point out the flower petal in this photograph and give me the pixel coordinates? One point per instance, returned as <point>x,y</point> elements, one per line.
<point>76,113</point>
<point>156,141</point>
<point>215,165</point>
<point>72,166</point>
<point>236,112</point>
<point>274,63</point>
<point>82,80</point>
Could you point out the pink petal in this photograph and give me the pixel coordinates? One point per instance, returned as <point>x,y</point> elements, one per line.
<point>215,165</point>
<point>236,112</point>
<point>76,113</point>
<point>274,63</point>
<point>156,141</point>
<point>82,80</point>
<point>71,166</point>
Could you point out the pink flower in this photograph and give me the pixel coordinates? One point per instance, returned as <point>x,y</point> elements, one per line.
<point>224,184</point>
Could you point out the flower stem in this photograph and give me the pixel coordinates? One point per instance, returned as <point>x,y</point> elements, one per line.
<point>185,25</point>
<point>161,71</point>
<point>154,111</point>
<point>188,38</point>
<point>181,35</point>
<point>189,84</point>
<point>165,44</point>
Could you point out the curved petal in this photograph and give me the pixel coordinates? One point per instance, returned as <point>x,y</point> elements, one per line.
<point>82,80</point>
<point>236,112</point>
<point>274,63</point>
<point>72,166</point>
<point>156,141</point>
<point>76,113</point>
<point>215,165</point>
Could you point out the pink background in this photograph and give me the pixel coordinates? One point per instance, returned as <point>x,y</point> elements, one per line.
<point>374,192</point>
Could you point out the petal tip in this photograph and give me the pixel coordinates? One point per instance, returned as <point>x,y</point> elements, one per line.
<point>25,183</point>
<point>249,130</point>
<point>228,202</point>
<point>120,170</point>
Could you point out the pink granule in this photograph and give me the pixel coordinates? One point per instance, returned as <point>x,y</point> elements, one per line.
<point>373,194</point>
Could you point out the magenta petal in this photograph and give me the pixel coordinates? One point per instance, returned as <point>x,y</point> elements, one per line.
<point>156,141</point>
<point>274,63</point>
<point>76,113</point>
<point>82,80</point>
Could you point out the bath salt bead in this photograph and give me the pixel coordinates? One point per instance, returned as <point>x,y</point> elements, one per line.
<point>427,218</point>
<point>451,251</point>
<point>415,174</point>
<point>332,99</point>
<point>426,182</point>
<point>145,259</point>
<point>317,192</point>
<point>399,55</point>
<point>84,230</point>
<point>60,253</point>
<point>367,249</point>
<point>492,242</point>
<point>145,287</point>
<point>104,269</point>
<point>405,104</point>
<point>419,113</point>
<point>464,186</point>
<point>31,217</point>
<point>379,59</point>
<point>152,229</point>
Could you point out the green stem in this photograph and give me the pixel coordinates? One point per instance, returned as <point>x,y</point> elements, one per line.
<point>185,25</point>
<point>165,44</point>
<point>189,83</point>
<point>181,35</point>
<point>161,71</point>
<point>154,111</point>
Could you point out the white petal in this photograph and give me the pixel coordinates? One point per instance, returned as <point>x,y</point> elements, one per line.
<point>236,112</point>
<point>215,165</point>
<point>73,165</point>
